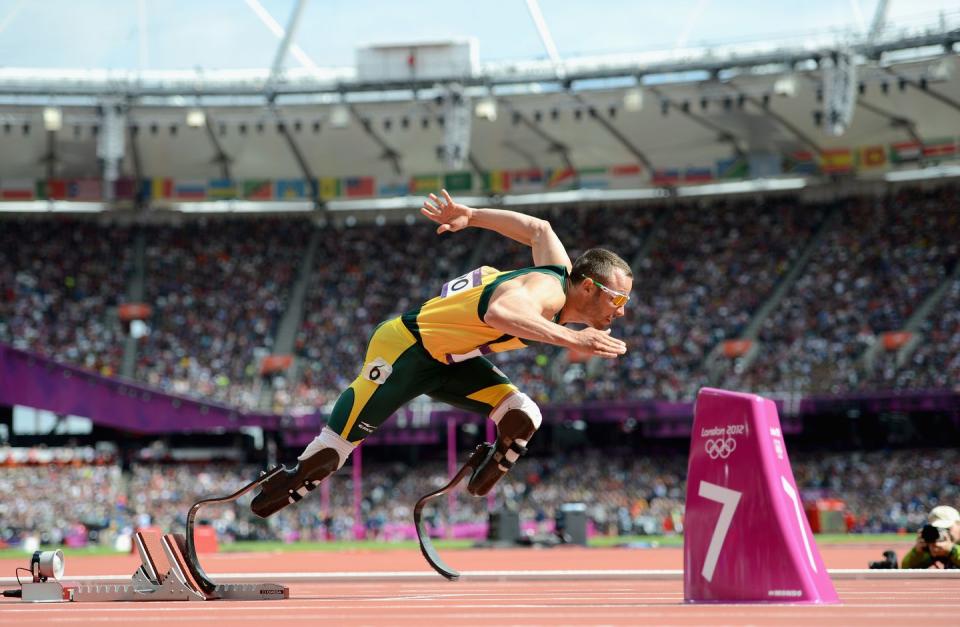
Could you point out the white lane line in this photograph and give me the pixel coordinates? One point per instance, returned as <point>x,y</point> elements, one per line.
<point>352,616</point>
<point>897,577</point>
<point>276,607</point>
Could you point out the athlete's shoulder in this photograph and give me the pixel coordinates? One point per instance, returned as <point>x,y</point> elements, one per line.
<point>550,270</point>
<point>489,271</point>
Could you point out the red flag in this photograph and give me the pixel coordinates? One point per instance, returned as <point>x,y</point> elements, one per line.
<point>358,186</point>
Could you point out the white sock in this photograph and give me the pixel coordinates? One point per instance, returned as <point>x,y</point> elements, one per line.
<point>328,438</point>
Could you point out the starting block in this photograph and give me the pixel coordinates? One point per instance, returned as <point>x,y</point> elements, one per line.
<point>746,538</point>
<point>164,575</point>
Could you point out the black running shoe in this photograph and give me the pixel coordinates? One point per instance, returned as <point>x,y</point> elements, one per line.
<point>290,485</point>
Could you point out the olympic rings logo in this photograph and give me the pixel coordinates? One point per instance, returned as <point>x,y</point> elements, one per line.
<point>720,448</point>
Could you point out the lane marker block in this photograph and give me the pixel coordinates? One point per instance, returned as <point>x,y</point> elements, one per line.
<point>746,538</point>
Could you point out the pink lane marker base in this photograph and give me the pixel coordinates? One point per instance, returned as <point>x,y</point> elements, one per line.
<point>746,538</point>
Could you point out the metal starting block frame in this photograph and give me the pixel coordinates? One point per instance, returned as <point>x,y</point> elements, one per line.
<point>164,575</point>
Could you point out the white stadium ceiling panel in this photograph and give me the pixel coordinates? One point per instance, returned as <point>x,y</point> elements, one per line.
<point>23,142</point>
<point>185,153</point>
<point>410,129</point>
<point>503,144</point>
<point>669,141</point>
<point>591,144</point>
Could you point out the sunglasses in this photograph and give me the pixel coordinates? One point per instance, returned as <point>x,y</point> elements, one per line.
<point>619,298</point>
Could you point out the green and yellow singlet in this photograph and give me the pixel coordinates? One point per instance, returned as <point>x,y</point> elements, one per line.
<point>435,350</point>
<point>451,328</point>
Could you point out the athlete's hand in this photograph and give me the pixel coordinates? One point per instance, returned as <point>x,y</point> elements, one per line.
<point>596,342</point>
<point>451,216</point>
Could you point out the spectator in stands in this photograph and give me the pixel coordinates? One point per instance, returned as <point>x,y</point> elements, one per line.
<point>219,287</point>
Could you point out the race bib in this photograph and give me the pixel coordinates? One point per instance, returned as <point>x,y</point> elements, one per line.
<point>377,370</point>
<point>461,283</point>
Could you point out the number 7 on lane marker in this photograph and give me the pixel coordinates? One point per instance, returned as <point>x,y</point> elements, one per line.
<point>729,499</point>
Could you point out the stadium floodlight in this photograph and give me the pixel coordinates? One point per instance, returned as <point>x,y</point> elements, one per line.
<point>786,86</point>
<point>486,109</point>
<point>941,70</point>
<point>52,118</point>
<point>633,99</point>
<point>196,118</point>
<point>936,172</point>
<point>742,187</point>
<point>339,116</point>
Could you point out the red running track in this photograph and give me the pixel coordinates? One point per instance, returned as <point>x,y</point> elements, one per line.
<point>570,602</point>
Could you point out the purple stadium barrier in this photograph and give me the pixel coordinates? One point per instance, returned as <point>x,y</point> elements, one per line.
<point>34,381</point>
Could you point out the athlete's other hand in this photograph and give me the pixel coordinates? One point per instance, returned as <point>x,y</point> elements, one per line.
<point>598,342</point>
<point>451,216</point>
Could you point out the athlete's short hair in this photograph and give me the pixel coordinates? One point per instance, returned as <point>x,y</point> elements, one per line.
<point>599,264</point>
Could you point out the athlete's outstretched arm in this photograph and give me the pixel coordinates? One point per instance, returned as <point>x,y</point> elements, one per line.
<point>533,232</point>
<point>523,308</point>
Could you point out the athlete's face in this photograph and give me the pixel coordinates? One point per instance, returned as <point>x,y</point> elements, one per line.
<point>602,308</point>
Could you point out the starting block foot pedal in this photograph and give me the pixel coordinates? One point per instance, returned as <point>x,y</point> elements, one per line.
<point>746,537</point>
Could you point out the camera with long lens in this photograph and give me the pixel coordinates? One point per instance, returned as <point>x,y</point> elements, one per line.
<point>888,562</point>
<point>932,535</point>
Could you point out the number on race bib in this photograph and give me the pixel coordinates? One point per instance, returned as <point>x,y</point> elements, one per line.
<point>729,499</point>
<point>377,371</point>
<point>461,283</point>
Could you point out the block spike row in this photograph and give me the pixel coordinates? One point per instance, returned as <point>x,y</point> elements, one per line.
<point>477,459</point>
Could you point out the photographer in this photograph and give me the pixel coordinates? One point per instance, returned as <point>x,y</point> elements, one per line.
<point>938,542</point>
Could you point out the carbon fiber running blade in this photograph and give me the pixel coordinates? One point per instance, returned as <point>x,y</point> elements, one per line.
<point>426,544</point>
<point>193,563</point>
<point>190,549</point>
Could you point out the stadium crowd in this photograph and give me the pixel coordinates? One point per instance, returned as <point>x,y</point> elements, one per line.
<point>867,277</point>
<point>625,494</point>
<point>936,362</point>
<point>60,283</point>
<point>218,288</point>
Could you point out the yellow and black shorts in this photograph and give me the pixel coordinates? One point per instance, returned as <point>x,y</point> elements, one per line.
<point>398,369</point>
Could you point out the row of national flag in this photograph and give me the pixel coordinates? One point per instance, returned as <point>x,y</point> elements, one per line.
<point>495,181</point>
<point>832,161</point>
<point>187,189</point>
<point>867,158</point>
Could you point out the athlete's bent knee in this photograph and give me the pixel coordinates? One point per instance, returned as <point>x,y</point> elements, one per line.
<point>517,418</point>
<point>518,401</point>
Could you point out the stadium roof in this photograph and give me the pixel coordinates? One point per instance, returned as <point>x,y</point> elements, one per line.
<point>234,43</point>
<point>680,108</point>
<point>185,34</point>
